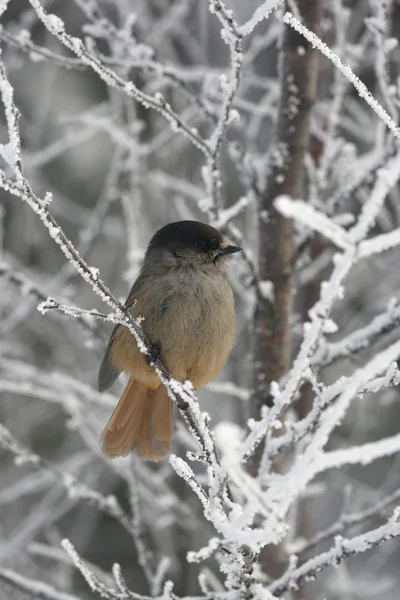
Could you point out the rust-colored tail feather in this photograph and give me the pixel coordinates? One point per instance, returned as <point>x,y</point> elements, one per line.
<point>143,418</point>
<point>155,433</point>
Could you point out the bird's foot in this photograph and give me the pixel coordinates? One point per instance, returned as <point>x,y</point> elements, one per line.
<point>154,354</point>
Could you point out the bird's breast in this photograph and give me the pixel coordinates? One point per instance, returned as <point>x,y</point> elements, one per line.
<point>192,317</point>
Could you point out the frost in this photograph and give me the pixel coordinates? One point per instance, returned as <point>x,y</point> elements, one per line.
<point>330,326</point>
<point>7,152</point>
<point>56,25</point>
<point>3,5</point>
<point>390,45</point>
<point>262,12</point>
<point>228,435</point>
<point>54,231</point>
<point>94,272</point>
<point>345,70</point>
<point>309,216</point>
<point>267,290</point>
<point>48,304</point>
<point>234,116</point>
<point>225,216</point>
<point>47,200</point>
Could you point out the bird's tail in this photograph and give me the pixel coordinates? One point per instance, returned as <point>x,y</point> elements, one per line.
<point>142,419</point>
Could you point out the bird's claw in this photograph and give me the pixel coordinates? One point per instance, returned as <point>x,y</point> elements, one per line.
<point>154,354</point>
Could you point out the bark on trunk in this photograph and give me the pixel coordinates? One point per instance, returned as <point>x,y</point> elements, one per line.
<point>298,81</point>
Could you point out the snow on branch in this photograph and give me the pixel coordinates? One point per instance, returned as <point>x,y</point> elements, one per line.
<point>361,88</point>
<point>387,177</point>
<point>296,432</point>
<point>311,461</point>
<point>342,549</point>
<point>24,43</point>
<point>348,520</point>
<point>380,243</point>
<point>121,589</point>
<point>29,288</point>
<point>314,219</point>
<point>363,455</point>
<point>262,12</point>
<point>361,338</point>
<point>56,27</point>
<point>23,456</point>
<point>319,315</point>
<point>227,114</point>
<point>79,492</point>
<point>75,489</point>
<point>33,587</point>
<point>379,25</point>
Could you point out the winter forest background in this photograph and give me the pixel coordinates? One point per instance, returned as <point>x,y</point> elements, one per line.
<point>277,122</point>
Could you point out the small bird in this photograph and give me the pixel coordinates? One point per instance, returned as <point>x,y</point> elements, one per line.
<point>189,319</point>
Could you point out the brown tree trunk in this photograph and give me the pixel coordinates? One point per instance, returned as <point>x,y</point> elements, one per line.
<point>285,176</point>
<point>298,83</point>
<point>309,297</point>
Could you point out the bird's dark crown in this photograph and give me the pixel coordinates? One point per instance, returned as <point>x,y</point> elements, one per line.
<point>187,234</point>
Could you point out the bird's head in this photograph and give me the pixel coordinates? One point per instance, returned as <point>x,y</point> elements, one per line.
<point>191,244</point>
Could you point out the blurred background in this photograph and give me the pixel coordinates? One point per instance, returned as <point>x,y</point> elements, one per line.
<point>118,172</point>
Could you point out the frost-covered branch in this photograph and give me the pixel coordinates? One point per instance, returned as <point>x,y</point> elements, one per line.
<point>121,590</point>
<point>350,520</point>
<point>79,492</point>
<point>75,489</point>
<point>360,339</point>
<point>24,43</point>
<point>296,432</point>
<point>343,548</point>
<point>33,587</point>
<point>29,288</point>
<point>345,70</point>
<point>56,27</point>
<point>230,34</point>
<point>262,12</point>
<point>307,215</point>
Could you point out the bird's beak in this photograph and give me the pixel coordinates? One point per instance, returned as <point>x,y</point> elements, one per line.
<point>228,250</point>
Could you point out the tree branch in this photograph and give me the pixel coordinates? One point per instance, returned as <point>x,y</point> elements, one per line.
<point>343,549</point>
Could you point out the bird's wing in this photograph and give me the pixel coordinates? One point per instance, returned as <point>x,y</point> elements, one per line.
<point>108,371</point>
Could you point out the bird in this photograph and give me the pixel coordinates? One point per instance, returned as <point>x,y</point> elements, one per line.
<point>188,312</point>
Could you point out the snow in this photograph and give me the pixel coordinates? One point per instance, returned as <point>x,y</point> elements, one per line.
<point>309,216</point>
<point>361,88</point>
<point>267,290</point>
<point>262,12</point>
<point>343,548</point>
<point>33,587</point>
<point>55,24</point>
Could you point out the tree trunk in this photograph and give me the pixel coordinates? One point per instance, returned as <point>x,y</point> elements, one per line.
<point>298,83</point>
<point>285,176</point>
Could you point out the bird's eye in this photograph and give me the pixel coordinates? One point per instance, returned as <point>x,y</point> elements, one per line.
<point>200,245</point>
